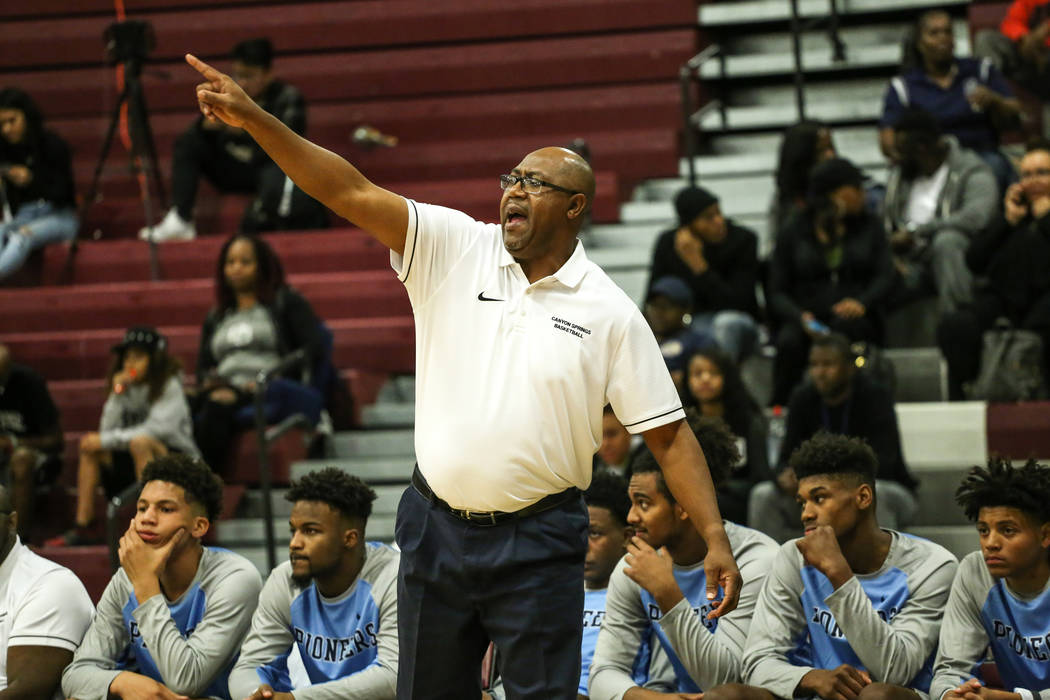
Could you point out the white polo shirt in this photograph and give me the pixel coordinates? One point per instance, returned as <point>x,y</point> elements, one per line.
<point>41,604</point>
<point>512,377</point>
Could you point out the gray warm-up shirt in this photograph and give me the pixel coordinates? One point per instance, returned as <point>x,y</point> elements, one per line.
<point>703,653</point>
<point>984,612</point>
<point>886,622</point>
<point>325,648</point>
<point>188,644</point>
<point>131,413</point>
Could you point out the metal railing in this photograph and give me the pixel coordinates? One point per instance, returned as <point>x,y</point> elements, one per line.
<point>689,79</point>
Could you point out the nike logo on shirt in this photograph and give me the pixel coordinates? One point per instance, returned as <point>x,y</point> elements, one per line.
<point>482,297</point>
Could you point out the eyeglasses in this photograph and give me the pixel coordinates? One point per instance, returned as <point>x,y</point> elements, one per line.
<point>530,185</point>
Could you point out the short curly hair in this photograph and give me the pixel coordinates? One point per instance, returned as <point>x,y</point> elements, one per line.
<point>835,455</point>
<point>716,441</point>
<point>343,492</point>
<point>608,490</point>
<point>200,484</point>
<point>1001,484</point>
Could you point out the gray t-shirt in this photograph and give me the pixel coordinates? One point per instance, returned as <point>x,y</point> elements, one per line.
<point>703,653</point>
<point>188,644</point>
<point>131,413</point>
<point>886,622</point>
<point>245,343</point>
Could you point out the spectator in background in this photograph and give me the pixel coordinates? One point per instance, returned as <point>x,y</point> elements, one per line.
<point>715,388</point>
<point>666,306</point>
<point>1012,257</point>
<point>232,162</point>
<point>803,146</point>
<point>839,400</point>
<point>968,97</point>
<point>37,204</point>
<point>145,416</point>
<point>718,260</point>
<point>831,269</point>
<point>172,618</point>
<point>938,197</point>
<point>608,533</point>
<point>337,588</point>
<point>30,435</point>
<point>614,452</point>
<point>1020,47</point>
<point>46,612</point>
<point>852,609</point>
<point>656,595</point>
<point>257,320</point>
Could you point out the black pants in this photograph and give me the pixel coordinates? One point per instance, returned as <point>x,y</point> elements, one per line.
<point>519,584</point>
<point>793,350</point>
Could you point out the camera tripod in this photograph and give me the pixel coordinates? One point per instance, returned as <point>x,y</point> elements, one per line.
<point>143,151</point>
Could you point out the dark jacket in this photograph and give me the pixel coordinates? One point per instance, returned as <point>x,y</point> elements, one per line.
<point>867,414</point>
<point>800,279</point>
<point>48,158</point>
<point>1013,264</point>
<point>297,327</point>
<point>728,282</point>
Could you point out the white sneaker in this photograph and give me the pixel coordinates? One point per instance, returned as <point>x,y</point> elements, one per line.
<point>171,228</point>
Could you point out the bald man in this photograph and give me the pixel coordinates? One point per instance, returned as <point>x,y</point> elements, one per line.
<point>44,613</point>
<point>520,343</point>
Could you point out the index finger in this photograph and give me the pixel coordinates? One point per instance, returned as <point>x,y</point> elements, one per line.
<point>203,68</point>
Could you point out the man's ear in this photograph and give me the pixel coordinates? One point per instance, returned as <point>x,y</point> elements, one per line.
<point>351,536</point>
<point>579,206</point>
<point>1044,534</point>
<point>864,496</point>
<point>199,527</point>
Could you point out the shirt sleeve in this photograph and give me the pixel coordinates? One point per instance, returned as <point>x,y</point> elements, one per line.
<point>56,612</point>
<point>783,624</point>
<point>963,639</point>
<point>45,418</point>
<point>894,652</point>
<point>714,659</point>
<point>168,420</point>
<point>619,639</point>
<point>379,680</point>
<point>891,105</point>
<point>94,664</point>
<point>270,639</point>
<point>437,238</point>
<point>188,665</point>
<point>640,388</point>
<point>1015,23</point>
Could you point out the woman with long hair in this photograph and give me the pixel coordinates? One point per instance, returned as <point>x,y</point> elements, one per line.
<point>145,416</point>
<point>714,386</point>
<point>36,182</point>
<point>804,145</point>
<point>256,321</point>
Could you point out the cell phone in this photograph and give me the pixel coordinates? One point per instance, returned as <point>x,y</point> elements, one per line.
<point>817,327</point>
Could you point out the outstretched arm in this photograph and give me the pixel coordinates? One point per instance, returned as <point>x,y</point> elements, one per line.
<point>323,175</point>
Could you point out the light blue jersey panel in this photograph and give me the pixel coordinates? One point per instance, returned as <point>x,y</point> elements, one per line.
<point>828,648</point>
<point>187,614</point>
<point>1019,634</point>
<point>336,639</point>
<point>693,583</point>
<point>593,614</point>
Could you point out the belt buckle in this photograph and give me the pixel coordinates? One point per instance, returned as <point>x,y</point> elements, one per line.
<point>481,517</point>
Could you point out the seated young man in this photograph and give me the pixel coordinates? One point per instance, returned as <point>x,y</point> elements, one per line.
<point>44,613</point>
<point>326,625</point>
<point>608,532</point>
<point>659,588</point>
<point>849,610</point>
<point>999,599</point>
<point>172,618</point>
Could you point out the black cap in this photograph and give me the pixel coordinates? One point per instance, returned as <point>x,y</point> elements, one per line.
<point>146,337</point>
<point>674,289</point>
<point>691,202</point>
<point>832,174</point>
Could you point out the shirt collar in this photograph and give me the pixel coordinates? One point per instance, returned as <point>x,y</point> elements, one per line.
<point>569,274</point>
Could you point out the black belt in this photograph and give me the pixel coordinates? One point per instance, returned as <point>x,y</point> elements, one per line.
<point>490,517</point>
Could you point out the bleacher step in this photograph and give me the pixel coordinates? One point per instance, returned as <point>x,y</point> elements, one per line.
<point>375,470</point>
<point>960,540</point>
<point>752,11</point>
